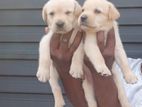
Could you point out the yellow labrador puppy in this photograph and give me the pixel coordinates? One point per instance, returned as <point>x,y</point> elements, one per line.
<point>62,17</point>
<point>101,15</point>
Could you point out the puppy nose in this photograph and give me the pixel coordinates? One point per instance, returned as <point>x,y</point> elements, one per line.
<point>60,23</point>
<point>83,18</point>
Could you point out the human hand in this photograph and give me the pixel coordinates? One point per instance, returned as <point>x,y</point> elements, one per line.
<point>104,87</point>
<point>62,55</point>
<point>109,50</point>
<point>106,50</point>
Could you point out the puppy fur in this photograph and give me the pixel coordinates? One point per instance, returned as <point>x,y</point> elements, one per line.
<point>61,17</point>
<point>101,15</point>
<point>66,11</point>
<point>94,23</point>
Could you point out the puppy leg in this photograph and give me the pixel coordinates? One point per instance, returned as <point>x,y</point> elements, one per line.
<point>56,89</point>
<point>88,90</point>
<point>92,51</point>
<point>76,69</point>
<point>121,92</point>
<point>122,61</point>
<point>43,73</point>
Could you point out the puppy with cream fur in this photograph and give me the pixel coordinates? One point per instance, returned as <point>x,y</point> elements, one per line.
<point>62,17</point>
<point>101,15</point>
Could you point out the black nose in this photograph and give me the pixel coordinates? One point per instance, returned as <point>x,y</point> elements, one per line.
<point>60,24</point>
<point>83,18</point>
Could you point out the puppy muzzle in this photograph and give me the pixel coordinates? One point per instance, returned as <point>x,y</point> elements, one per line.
<point>84,18</point>
<point>60,24</point>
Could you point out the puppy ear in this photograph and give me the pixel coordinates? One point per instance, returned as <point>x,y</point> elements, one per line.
<point>44,14</point>
<point>77,9</point>
<point>113,13</point>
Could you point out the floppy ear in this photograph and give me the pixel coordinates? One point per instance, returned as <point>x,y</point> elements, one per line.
<point>44,14</point>
<point>77,8</point>
<point>113,13</point>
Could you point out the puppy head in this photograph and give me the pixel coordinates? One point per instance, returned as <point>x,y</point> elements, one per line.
<point>96,14</point>
<point>61,15</point>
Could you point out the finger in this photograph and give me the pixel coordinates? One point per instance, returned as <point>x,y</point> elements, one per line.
<point>101,40</point>
<point>109,49</point>
<point>87,74</point>
<point>65,41</point>
<point>76,42</point>
<point>110,43</point>
<point>54,43</point>
<point>46,29</point>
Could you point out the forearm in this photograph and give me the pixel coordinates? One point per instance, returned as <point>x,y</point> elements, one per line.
<point>73,87</point>
<point>61,55</point>
<point>105,89</point>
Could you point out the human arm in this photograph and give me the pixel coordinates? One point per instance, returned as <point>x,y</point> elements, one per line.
<point>61,56</point>
<point>104,87</point>
<point>73,87</point>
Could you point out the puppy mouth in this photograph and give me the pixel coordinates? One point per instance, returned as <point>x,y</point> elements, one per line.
<point>85,25</point>
<point>61,30</point>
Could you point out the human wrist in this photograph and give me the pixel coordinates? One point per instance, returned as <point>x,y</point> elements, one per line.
<point>62,67</point>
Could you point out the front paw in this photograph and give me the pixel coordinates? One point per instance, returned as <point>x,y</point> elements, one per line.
<point>43,75</point>
<point>104,71</point>
<point>130,78</point>
<point>76,73</point>
<point>60,104</point>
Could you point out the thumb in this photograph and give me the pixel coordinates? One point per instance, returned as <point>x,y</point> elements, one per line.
<point>100,40</point>
<point>76,42</point>
<point>110,42</point>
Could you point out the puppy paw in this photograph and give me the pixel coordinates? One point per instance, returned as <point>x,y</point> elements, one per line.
<point>104,71</point>
<point>126,104</point>
<point>131,78</point>
<point>76,73</point>
<point>92,103</point>
<point>43,75</point>
<point>59,106</point>
<point>60,103</point>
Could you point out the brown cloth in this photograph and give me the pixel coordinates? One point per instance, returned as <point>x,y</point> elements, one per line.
<point>104,87</point>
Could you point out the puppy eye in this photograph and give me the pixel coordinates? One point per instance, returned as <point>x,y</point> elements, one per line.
<point>68,12</point>
<point>51,13</point>
<point>97,11</point>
